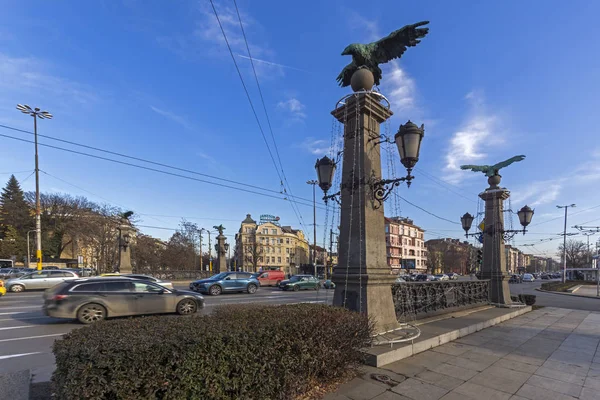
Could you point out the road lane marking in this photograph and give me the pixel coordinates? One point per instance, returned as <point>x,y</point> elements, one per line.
<point>18,355</point>
<point>31,337</point>
<point>22,319</point>
<point>19,307</point>
<point>17,327</point>
<point>11,313</point>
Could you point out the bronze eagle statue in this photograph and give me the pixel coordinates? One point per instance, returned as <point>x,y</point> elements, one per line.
<point>491,170</point>
<point>220,228</point>
<point>384,50</point>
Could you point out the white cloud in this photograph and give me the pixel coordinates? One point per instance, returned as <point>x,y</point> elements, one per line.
<point>317,147</point>
<point>206,157</point>
<point>173,117</point>
<point>469,143</point>
<point>32,78</point>
<point>400,88</point>
<point>538,193</point>
<point>294,107</point>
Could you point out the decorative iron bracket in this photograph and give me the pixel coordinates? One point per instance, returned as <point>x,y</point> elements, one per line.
<point>382,188</point>
<point>384,139</point>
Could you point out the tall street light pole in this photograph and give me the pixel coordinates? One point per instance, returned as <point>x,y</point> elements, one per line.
<point>36,113</point>
<point>564,277</point>
<point>28,251</point>
<point>314,183</point>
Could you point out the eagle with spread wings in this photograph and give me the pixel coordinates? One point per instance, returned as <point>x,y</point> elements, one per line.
<point>384,50</point>
<point>491,170</point>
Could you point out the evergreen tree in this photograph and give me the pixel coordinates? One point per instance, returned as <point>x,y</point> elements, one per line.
<point>14,209</point>
<point>9,243</point>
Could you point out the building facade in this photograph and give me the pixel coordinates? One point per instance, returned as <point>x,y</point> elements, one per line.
<point>451,255</point>
<point>405,245</point>
<point>265,245</point>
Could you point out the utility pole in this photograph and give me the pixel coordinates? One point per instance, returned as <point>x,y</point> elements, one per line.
<point>201,259</point>
<point>564,275</point>
<point>36,113</point>
<point>209,252</point>
<point>314,183</point>
<point>330,251</point>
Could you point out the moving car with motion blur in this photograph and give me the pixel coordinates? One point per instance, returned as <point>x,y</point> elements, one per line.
<point>328,284</point>
<point>226,282</point>
<point>270,278</point>
<point>93,299</point>
<point>168,285</point>
<point>528,278</point>
<point>2,288</point>
<point>38,280</point>
<point>300,282</point>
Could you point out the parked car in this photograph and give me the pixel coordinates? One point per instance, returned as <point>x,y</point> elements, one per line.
<point>54,267</point>
<point>328,284</point>
<point>424,278</point>
<point>39,280</point>
<point>226,282</point>
<point>528,278</point>
<point>300,282</point>
<point>93,299</point>
<point>270,278</point>
<point>400,279</point>
<point>2,288</point>
<point>453,276</point>
<point>441,277</point>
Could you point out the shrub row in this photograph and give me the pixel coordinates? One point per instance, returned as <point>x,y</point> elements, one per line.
<point>527,299</point>
<point>238,352</point>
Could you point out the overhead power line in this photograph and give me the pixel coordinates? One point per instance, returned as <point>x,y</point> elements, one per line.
<point>282,179</point>
<point>145,161</point>
<point>424,210</point>
<point>154,170</point>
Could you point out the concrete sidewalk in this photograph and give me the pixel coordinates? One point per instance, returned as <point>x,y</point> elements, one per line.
<point>547,354</point>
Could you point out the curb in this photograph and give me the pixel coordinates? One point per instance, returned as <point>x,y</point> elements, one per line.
<point>567,294</point>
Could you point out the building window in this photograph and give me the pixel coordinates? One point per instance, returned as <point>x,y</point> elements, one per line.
<point>265,231</point>
<point>287,250</point>
<point>287,240</point>
<point>272,241</point>
<point>287,260</point>
<point>279,260</point>
<point>273,259</point>
<point>387,229</point>
<point>279,250</point>
<point>273,231</point>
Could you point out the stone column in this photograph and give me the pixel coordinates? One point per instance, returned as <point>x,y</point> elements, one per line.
<point>221,265</point>
<point>494,265</point>
<point>125,231</point>
<point>362,277</point>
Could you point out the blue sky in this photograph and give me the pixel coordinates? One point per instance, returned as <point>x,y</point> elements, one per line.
<point>155,80</point>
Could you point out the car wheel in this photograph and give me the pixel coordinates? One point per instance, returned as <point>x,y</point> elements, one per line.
<point>215,290</point>
<point>90,313</point>
<point>186,307</point>
<point>17,288</point>
<point>277,284</point>
<point>252,288</point>
<point>296,288</point>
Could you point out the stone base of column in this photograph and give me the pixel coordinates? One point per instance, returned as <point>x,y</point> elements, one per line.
<point>370,294</point>
<point>499,288</point>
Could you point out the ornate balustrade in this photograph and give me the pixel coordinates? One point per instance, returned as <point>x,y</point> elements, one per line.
<point>425,299</point>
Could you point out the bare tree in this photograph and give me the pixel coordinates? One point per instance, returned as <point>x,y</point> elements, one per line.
<point>253,252</point>
<point>577,254</point>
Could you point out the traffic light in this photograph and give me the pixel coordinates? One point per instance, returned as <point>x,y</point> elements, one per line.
<point>479,257</point>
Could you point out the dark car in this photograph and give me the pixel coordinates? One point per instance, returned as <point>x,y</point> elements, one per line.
<point>300,282</point>
<point>515,278</point>
<point>424,278</point>
<point>93,299</point>
<point>226,282</point>
<point>9,273</point>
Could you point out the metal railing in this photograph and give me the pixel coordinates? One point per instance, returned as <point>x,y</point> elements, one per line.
<point>424,299</point>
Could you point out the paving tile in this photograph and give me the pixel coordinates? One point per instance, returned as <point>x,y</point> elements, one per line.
<point>594,371</point>
<point>593,383</point>
<point>560,375</point>
<point>525,359</point>
<point>473,360</point>
<point>428,359</point>
<point>537,393</point>
<point>336,396</point>
<point>494,349</point>
<point>505,380</point>
<point>405,368</point>
<point>390,396</point>
<point>581,359</point>
<point>588,394</point>
<point>473,340</point>
<point>455,396</point>
<point>461,373</point>
<point>566,367</point>
<point>555,386</point>
<point>419,390</point>
<point>515,397</point>
<point>453,348</point>
<point>359,389</point>
<point>477,392</point>
<point>516,365</point>
<point>440,380</point>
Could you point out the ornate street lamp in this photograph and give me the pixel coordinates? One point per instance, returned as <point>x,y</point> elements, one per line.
<point>466,221</point>
<point>126,240</point>
<point>525,214</point>
<point>408,139</point>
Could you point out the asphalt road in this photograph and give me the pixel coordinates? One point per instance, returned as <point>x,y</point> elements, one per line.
<point>554,300</point>
<point>26,335</point>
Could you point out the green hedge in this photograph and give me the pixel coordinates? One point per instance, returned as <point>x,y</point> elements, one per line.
<point>238,352</point>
